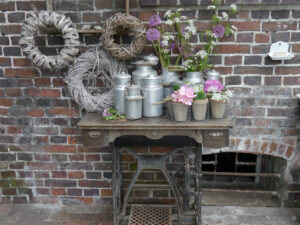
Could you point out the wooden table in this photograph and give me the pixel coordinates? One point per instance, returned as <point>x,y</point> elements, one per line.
<point>208,133</point>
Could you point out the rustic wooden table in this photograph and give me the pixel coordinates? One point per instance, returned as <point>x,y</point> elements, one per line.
<point>208,133</point>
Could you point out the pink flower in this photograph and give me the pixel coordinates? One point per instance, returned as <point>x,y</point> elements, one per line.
<point>106,113</point>
<point>213,86</point>
<point>154,21</point>
<point>184,95</point>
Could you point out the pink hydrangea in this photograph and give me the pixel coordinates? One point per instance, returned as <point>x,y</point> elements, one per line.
<point>184,95</point>
<point>213,86</point>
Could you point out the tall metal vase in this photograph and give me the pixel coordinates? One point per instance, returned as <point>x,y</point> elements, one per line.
<point>167,78</point>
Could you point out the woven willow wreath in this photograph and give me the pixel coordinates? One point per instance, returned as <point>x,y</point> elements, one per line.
<point>49,20</point>
<point>82,80</point>
<point>124,51</point>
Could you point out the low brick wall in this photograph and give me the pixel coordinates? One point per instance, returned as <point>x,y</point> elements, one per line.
<point>41,155</point>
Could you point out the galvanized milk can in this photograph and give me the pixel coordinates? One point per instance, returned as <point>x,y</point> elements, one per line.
<point>212,75</point>
<point>153,93</point>
<point>133,102</point>
<point>167,78</point>
<point>193,78</point>
<point>121,82</point>
<point>143,69</point>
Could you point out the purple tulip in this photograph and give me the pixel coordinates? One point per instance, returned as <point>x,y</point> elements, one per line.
<point>213,86</point>
<point>219,31</point>
<point>154,21</point>
<point>153,34</point>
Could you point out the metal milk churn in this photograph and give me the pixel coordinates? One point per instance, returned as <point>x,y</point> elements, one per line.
<point>212,75</point>
<point>121,82</point>
<point>144,68</point>
<point>133,102</point>
<point>167,78</point>
<point>193,78</point>
<point>153,93</point>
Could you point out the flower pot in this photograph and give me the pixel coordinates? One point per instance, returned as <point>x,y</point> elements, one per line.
<point>180,111</point>
<point>199,109</point>
<point>218,109</point>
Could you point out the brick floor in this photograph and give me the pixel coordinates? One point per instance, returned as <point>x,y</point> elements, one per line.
<point>38,214</point>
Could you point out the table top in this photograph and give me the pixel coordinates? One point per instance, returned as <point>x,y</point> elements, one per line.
<point>94,121</point>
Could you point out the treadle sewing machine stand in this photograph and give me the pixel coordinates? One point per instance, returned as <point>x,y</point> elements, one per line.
<point>210,134</point>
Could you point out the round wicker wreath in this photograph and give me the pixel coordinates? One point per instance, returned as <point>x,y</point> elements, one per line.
<point>49,20</point>
<point>124,51</point>
<point>83,77</point>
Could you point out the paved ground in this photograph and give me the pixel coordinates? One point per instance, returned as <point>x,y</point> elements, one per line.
<point>38,214</point>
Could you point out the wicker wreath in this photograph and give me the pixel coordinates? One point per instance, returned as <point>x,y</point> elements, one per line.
<point>83,77</point>
<point>49,20</point>
<point>124,51</point>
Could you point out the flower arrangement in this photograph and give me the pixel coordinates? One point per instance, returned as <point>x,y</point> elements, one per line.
<point>111,114</point>
<point>182,29</point>
<point>184,94</point>
<point>217,91</point>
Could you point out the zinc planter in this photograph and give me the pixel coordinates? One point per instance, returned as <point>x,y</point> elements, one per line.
<point>218,109</point>
<point>180,111</point>
<point>199,109</point>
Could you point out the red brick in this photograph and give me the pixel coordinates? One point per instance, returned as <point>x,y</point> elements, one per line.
<point>42,191</point>
<point>264,147</point>
<point>160,149</point>
<point>231,49</point>
<point>285,70</point>
<point>289,151</point>
<point>74,140</point>
<point>60,148</point>
<point>95,157</point>
<point>279,26</point>
<point>291,80</point>
<point>5,62</point>
<point>253,111</point>
<point>273,80</point>
<point>36,113</point>
<point>41,139</point>
<point>7,6</point>
<point>41,166</point>
<point>3,111</point>
<point>76,157</point>
<point>58,82</point>
<point>85,200</point>
<point>11,29</point>
<point>100,4</point>
<point>51,93</point>
<point>75,175</point>
<point>41,174</point>
<point>262,38</point>
<point>273,147</point>
<point>106,192</point>
<point>10,72</point>
<point>42,81</point>
<point>145,16</point>
<point>233,60</point>
<point>21,62</point>
<point>247,26</point>
<point>58,191</point>
<point>253,70</point>
<point>14,130</point>
<point>202,26</point>
<point>223,70</point>
<point>13,92</point>
<point>243,14</point>
<point>93,183</point>
<point>128,158</point>
<point>6,102</point>
<point>63,111</point>
<point>59,174</point>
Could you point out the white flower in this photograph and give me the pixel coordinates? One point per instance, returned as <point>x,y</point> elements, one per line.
<point>202,54</point>
<point>190,22</point>
<point>216,96</point>
<point>169,22</point>
<point>183,18</point>
<point>234,28</point>
<point>211,7</point>
<point>213,43</point>
<point>186,35</point>
<point>225,15</point>
<point>180,10</point>
<point>165,50</point>
<point>164,42</point>
<point>213,35</point>
<point>177,20</point>
<point>191,29</point>
<point>168,13</point>
<point>233,7</point>
<point>171,37</point>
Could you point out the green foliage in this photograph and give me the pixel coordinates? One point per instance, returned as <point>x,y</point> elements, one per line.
<point>115,115</point>
<point>200,95</point>
<point>176,87</point>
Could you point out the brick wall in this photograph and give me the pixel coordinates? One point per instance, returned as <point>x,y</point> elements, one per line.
<point>41,155</point>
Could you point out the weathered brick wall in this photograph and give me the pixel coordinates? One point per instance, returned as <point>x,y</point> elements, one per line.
<point>41,155</point>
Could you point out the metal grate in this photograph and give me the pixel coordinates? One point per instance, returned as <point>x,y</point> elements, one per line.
<point>150,215</point>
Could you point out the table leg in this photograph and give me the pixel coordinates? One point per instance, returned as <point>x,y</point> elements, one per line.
<point>116,183</point>
<point>198,178</point>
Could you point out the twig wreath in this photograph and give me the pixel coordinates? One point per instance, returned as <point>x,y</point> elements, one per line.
<point>82,80</point>
<point>124,51</point>
<point>49,20</point>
